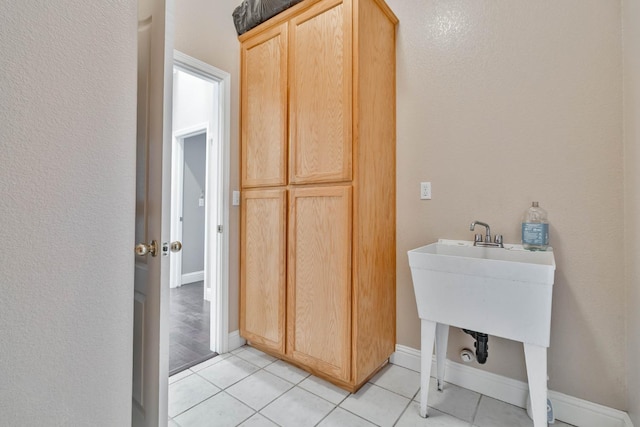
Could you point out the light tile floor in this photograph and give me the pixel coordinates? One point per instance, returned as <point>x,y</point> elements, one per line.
<point>249,388</point>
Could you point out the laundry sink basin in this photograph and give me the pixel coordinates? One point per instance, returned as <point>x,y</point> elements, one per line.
<point>504,292</point>
<point>499,291</point>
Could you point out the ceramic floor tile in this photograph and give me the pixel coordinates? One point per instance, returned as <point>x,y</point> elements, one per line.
<point>220,410</point>
<point>324,389</point>
<point>495,413</point>
<point>256,357</point>
<point>180,375</point>
<point>212,361</point>
<point>286,371</point>
<point>259,389</point>
<point>452,400</point>
<point>187,392</point>
<point>239,349</point>
<point>411,418</point>
<point>400,380</point>
<point>376,404</point>
<point>228,371</point>
<point>297,408</point>
<point>341,418</point>
<point>172,423</point>
<point>561,424</point>
<point>258,421</point>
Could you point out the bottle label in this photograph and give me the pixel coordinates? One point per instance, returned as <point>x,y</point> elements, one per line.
<point>535,233</point>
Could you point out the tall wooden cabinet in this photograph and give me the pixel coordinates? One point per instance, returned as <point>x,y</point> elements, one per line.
<point>317,280</point>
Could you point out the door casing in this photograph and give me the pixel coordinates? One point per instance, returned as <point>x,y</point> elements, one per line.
<point>215,218</point>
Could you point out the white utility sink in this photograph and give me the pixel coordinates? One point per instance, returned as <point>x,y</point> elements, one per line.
<point>504,292</point>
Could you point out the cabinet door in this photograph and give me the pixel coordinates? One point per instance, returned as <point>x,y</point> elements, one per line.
<point>320,81</point>
<point>263,267</point>
<point>319,284</point>
<point>264,109</point>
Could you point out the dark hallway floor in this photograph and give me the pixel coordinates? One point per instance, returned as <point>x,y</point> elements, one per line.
<point>189,327</point>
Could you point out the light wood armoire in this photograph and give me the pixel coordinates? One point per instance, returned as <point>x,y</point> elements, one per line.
<point>318,136</point>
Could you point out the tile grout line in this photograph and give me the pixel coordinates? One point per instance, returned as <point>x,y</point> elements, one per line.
<point>402,413</point>
<point>191,407</point>
<point>328,413</point>
<point>475,412</point>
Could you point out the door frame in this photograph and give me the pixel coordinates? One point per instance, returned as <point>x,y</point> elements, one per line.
<point>220,305</point>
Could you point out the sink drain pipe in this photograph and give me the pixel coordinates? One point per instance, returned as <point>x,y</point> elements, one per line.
<point>481,345</point>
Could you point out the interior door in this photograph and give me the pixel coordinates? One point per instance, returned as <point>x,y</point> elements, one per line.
<point>153,198</point>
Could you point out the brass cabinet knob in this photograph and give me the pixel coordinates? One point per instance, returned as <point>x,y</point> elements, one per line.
<point>176,246</point>
<point>144,249</point>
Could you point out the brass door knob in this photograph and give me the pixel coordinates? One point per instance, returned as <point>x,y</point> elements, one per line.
<point>176,246</point>
<point>144,249</point>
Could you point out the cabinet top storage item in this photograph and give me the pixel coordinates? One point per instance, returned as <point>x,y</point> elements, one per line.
<point>252,13</point>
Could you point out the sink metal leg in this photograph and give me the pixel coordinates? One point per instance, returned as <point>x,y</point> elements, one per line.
<point>442,338</point>
<point>428,336</point>
<point>536,360</point>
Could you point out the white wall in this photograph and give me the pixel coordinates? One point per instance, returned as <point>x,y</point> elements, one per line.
<point>631,32</point>
<point>67,178</point>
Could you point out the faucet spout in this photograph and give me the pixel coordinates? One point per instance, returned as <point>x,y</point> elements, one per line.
<point>487,242</point>
<point>483,224</point>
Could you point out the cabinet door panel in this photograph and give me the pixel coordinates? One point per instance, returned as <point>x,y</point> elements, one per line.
<point>319,285</point>
<point>320,94</point>
<point>263,267</point>
<point>264,109</point>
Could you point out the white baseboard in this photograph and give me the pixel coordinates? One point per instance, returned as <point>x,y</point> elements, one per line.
<point>235,340</point>
<point>565,408</point>
<point>196,276</point>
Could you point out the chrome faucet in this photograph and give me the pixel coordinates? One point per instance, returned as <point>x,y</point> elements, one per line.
<point>497,241</point>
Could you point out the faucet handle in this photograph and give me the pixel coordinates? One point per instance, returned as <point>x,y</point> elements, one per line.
<point>478,238</point>
<point>498,238</point>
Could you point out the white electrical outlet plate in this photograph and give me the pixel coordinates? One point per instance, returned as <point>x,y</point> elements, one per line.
<point>425,191</point>
<point>236,198</point>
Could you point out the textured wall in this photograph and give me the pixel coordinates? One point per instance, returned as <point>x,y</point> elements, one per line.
<point>68,108</point>
<point>204,30</point>
<point>631,31</point>
<point>500,104</point>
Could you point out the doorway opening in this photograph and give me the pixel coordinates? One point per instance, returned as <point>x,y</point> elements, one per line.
<point>199,213</point>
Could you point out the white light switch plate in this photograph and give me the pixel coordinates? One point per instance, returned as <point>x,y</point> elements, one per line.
<point>236,198</point>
